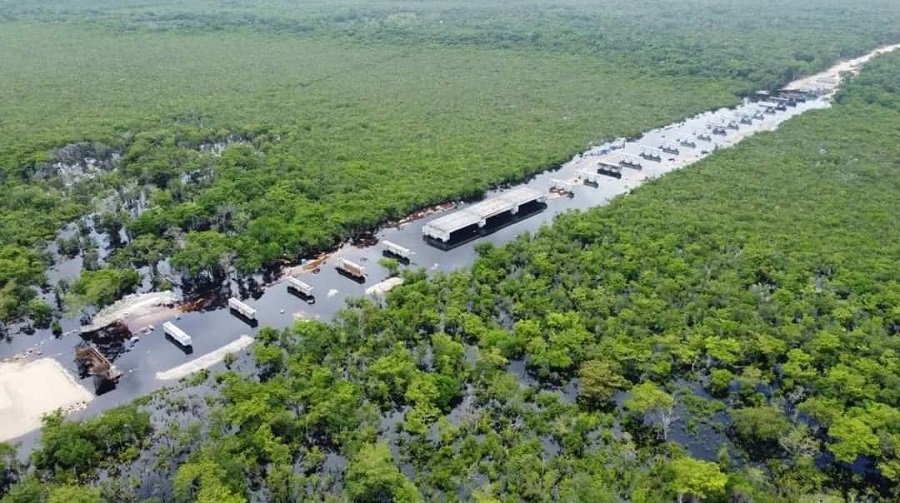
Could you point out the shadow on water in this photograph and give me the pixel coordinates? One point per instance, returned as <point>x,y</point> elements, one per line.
<point>207,296</point>
<point>103,386</point>
<point>702,432</point>
<point>364,240</point>
<point>309,299</point>
<point>352,277</point>
<point>399,258</point>
<point>186,349</point>
<point>519,368</point>
<point>252,322</point>
<point>252,288</point>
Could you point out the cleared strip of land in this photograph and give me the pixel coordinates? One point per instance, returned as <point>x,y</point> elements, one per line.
<point>205,361</point>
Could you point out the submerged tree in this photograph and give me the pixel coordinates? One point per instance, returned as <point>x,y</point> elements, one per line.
<point>372,477</point>
<point>10,467</point>
<point>696,480</point>
<point>598,383</point>
<point>654,405</point>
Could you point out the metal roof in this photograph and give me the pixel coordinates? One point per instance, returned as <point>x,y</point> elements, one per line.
<point>479,212</point>
<point>454,221</point>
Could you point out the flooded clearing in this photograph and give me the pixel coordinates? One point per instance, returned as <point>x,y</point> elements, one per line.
<point>150,361</point>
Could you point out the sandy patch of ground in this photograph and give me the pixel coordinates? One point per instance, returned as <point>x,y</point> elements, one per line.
<point>384,286</point>
<point>305,316</point>
<point>136,310</point>
<point>421,214</point>
<point>309,266</point>
<point>29,390</point>
<point>206,361</point>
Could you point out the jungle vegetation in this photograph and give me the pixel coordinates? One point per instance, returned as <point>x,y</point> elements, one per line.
<point>260,132</point>
<point>728,332</point>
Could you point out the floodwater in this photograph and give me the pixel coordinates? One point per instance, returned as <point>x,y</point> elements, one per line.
<point>142,359</point>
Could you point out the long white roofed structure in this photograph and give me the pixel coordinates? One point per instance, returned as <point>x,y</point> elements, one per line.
<point>396,250</point>
<point>239,307</point>
<point>177,334</point>
<point>478,214</point>
<point>590,176</point>
<point>299,286</point>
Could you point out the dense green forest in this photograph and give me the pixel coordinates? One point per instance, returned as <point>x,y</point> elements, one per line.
<point>728,332</point>
<point>765,43</point>
<point>258,132</point>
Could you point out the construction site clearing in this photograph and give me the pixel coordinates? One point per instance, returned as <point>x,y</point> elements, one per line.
<point>30,388</point>
<point>56,387</point>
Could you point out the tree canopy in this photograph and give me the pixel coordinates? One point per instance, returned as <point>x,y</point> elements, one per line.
<point>678,344</point>
<point>726,332</point>
<point>276,129</point>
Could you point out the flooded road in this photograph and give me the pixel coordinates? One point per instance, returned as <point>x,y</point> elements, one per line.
<point>151,361</point>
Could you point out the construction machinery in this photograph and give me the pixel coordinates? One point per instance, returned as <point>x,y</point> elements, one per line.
<point>669,148</point>
<point>609,169</point>
<point>630,162</point>
<point>563,187</point>
<point>104,373</point>
<point>590,178</point>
